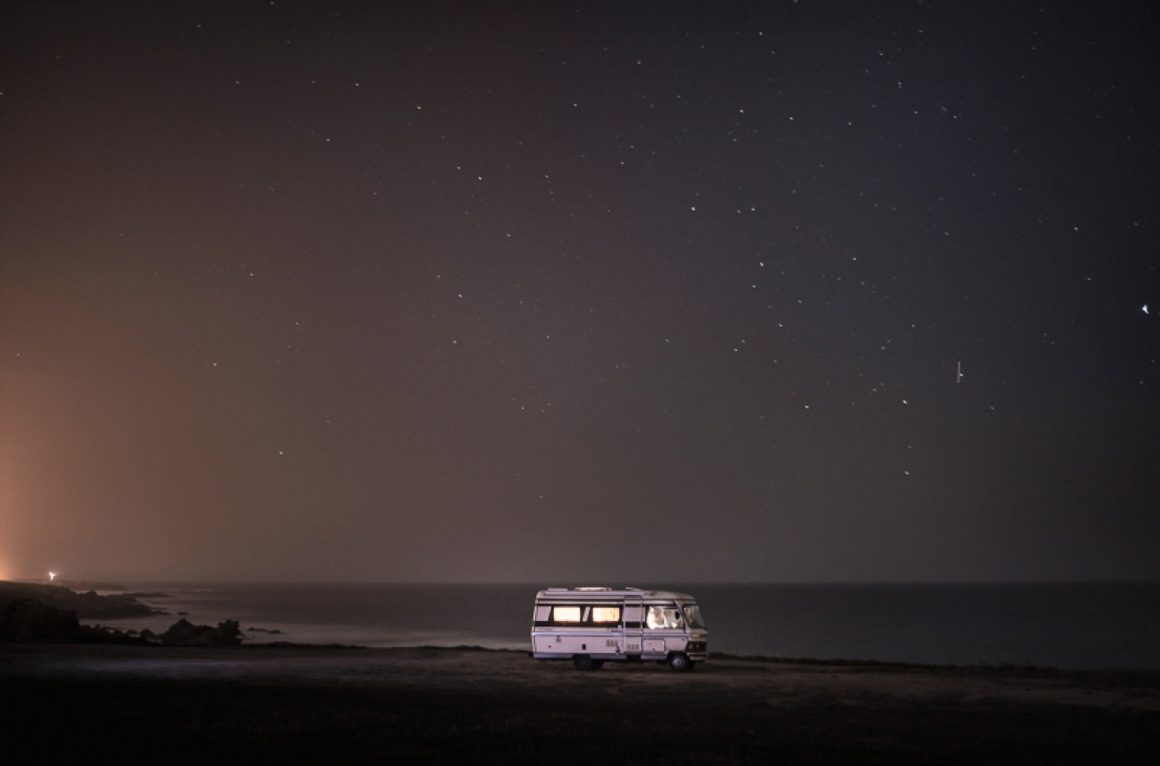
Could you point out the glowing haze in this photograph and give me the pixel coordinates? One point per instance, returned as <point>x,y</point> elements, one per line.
<point>614,292</point>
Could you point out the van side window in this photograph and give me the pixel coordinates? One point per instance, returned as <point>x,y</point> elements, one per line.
<point>586,615</point>
<point>606,614</point>
<point>565,614</point>
<point>663,617</point>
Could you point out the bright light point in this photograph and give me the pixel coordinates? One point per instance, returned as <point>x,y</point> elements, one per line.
<point>1144,308</point>
<point>51,576</point>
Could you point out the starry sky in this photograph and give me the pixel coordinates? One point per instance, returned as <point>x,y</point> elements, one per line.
<point>580,292</point>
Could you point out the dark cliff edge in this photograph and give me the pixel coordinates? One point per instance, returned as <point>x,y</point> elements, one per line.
<point>88,605</point>
<point>33,613</point>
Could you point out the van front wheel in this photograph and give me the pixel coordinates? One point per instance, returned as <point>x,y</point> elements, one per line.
<point>584,662</point>
<point>680,661</point>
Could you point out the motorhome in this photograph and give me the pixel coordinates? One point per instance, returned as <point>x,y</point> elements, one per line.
<point>593,624</point>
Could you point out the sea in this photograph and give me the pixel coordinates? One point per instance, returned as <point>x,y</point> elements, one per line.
<point>1087,626</point>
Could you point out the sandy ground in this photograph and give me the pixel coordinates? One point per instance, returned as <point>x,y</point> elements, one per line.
<point>457,706</point>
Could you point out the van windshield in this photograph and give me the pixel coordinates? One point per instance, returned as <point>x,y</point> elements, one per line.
<point>693,616</point>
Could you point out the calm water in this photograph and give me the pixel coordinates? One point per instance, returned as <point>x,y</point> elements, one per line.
<point>1061,625</point>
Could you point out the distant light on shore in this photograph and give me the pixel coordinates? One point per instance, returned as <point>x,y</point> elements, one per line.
<point>51,576</point>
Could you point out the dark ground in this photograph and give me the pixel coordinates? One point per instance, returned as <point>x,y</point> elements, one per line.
<point>271,705</point>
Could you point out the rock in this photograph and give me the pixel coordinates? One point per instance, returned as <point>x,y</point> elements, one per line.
<point>185,633</point>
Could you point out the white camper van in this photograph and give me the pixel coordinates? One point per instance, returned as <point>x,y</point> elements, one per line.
<point>591,625</point>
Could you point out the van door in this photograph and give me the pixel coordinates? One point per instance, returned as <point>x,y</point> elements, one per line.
<point>632,618</point>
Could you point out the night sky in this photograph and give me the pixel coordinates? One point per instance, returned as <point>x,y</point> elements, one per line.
<point>580,292</point>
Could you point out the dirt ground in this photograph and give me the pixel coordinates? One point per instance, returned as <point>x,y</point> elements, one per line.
<point>318,705</point>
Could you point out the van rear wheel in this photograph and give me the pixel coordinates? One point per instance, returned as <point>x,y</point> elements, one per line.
<point>680,661</point>
<point>584,662</point>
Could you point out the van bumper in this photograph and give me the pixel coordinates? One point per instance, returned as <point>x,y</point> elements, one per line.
<point>697,651</point>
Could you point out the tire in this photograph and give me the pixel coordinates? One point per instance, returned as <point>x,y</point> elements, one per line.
<point>680,662</point>
<point>584,662</point>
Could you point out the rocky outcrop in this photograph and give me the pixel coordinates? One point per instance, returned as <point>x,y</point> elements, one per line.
<point>88,606</point>
<point>26,618</point>
<point>185,633</point>
<point>93,606</point>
